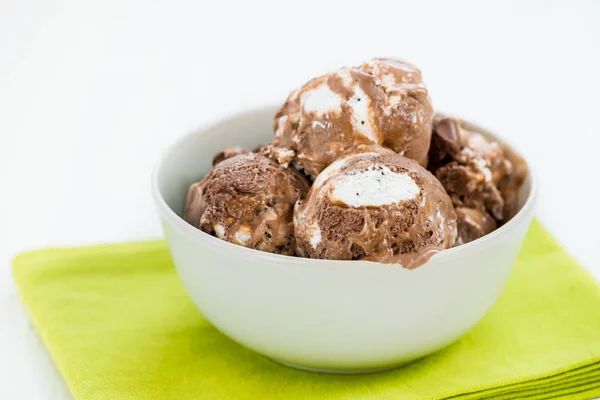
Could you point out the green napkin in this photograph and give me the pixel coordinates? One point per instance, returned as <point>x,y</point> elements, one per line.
<point>119,325</point>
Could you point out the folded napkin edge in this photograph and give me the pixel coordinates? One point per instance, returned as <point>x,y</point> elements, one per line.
<point>591,375</point>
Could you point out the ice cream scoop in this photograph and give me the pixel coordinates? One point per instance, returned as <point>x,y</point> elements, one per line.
<point>382,102</point>
<point>477,173</point>
<point>248,199</point>
<point>375,205</point>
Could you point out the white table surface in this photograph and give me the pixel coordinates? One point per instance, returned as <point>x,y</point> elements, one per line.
<point>90,93</point>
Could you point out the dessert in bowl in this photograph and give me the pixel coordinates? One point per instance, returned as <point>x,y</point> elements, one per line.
<point>320,296</point>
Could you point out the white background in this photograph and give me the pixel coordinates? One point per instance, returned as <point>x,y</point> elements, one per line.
<point>91,93</point>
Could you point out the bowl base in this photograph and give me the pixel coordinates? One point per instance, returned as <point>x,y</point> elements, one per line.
<point>338,371</point>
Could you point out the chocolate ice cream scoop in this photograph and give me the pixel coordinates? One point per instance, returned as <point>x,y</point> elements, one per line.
<point>248,199</point>
<point>378,206</point>
<point>479,176</point>
<point>382,102</point>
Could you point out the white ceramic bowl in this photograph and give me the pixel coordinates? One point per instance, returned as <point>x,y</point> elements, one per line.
<point>334,316</point>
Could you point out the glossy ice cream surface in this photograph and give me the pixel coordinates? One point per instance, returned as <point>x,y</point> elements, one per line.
<point>383,101</point>
<point>375,205</point>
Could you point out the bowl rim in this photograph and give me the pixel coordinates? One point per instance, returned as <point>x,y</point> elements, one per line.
<point>196,234</point>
